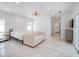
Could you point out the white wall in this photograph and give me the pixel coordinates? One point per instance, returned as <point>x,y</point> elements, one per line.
<point>75,11</point>
<point>42,23</point>
<point>14,21</point>
<point>65,19</point>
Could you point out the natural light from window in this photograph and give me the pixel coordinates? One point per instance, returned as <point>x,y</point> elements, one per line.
<point>2,25</point>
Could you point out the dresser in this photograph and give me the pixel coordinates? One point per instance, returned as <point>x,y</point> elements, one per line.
<point>69,34</point>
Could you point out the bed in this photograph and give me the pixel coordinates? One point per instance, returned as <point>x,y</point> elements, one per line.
<point>18,34</point>
<point>31,39</point>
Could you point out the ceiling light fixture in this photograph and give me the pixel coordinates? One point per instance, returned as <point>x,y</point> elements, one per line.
<point>8,8</point>
<point>48,8</point>
<point>35,13</point>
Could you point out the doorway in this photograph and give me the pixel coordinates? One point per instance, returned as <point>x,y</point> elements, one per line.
<point>56,26</point>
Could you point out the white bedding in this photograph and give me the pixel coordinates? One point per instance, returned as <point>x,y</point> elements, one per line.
<point>18,34</point>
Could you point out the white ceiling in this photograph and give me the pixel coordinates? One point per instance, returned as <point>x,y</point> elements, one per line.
<point>26,8</point>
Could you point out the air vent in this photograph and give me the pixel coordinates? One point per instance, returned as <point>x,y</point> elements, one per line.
<point>59,11</point>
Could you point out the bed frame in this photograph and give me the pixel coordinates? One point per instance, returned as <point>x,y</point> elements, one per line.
<point>35,45</point>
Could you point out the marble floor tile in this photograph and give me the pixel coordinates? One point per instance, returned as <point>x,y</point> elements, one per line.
<point>51,47</point>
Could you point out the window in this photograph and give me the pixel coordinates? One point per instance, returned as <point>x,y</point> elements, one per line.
<point>29,26</point>
<point>2,25</point>
<point>2,28</point>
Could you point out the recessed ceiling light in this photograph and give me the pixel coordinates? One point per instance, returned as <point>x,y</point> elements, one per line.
<point>17,2</point>
<point>8,8</point>
<point>48,8</point>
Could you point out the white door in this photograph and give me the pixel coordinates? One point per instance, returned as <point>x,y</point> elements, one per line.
<point>76,32</point>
